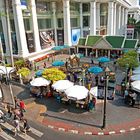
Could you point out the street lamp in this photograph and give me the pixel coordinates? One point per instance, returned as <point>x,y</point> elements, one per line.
<point>107,70</point>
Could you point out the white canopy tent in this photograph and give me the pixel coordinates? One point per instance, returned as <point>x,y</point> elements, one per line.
<point>94,91</point>
<point>40,81</point>
<point>77,92</point>
<point>62,85</point>
<point>136,85</point>
<point>135,77</point>
<point>6,70</point>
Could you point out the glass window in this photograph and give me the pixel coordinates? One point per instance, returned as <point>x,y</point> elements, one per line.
<point>27,24</point>
<point>74,22</point>
<point>42,6</point>
<point>44,23</point>
<point>12,24</point>
<point>86,7</point>
<point>74,6</point>
<point>60,22</point>
<point>85,21</point>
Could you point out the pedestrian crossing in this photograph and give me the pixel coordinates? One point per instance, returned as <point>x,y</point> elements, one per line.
<point>7,133</point>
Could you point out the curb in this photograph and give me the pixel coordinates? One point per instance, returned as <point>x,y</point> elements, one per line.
<point>100,133</point>
<point>94,132</point>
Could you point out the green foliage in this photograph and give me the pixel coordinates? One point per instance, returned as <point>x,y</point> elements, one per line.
<point>24,72</point>
<point>53,74</point>
<point>19,63</point>
<point>129,59</point>
<point>8,65</point>
<point>131,21</point>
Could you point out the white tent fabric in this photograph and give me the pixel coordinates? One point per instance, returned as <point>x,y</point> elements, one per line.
<point>40,81</point>
<point>136,85</point>
<point>94,91</point>
<point>6,70</point>
<point>62,85</point>
<point>77,92</point>
<point>137,71</point>
<point>135,77</point>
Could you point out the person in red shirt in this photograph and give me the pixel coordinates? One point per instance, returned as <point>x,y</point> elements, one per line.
<point>22,105</point>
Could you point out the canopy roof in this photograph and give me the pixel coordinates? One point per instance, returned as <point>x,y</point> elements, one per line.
<point>130,43</point>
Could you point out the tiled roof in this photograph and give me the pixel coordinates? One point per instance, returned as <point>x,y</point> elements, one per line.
<point>81,41</point>
<point>130,44</point>
<point>91,40</point>
<point>115,41</point>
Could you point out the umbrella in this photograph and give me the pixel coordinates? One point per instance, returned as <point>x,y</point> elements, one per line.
<point>94,91</point>
<point>62,85</point>
<point>103,59</point>
<point>136,85</point>
<point>136,71</point>
<point>58,63</point>
<point>58,48</point>
<point>40,81</point>
<point>76,92</point>
<point>135,77</point>
<point>95,70</point>
<point>6,70</point>
<point>39,73</point>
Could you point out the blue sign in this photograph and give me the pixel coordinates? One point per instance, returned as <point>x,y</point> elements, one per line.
<point>23,4</point>
<point>75,35</point>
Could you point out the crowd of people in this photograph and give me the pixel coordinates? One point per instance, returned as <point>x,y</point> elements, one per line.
<point>16,115</point>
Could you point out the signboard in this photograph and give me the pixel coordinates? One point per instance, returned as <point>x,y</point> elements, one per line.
<point>75,35</point>
<point>23,4</point>
<point>130,33</point>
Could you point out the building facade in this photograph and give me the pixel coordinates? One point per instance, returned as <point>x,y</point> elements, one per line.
<point>31,28</point>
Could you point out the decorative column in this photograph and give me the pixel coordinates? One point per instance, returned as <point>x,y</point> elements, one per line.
<point>126,16</point>
<point>115,12</point>
<point>67,26</point>
<point>108,53</point>
<point>20,30</point>
<point>54,22</point>
<point>81,18</point>
<point>98,17</point>
<point>96,55</point>
<point>35,26</point>
<point>110,24</point>
<point>118,20</point>
<point>92,18</point>
<point>86,53</point>
<point>4,24</point>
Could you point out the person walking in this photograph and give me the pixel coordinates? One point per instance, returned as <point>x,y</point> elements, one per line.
<point>26,126</point>
<point>9,111</point>
<point>16,124</point>
<point>22,105</point>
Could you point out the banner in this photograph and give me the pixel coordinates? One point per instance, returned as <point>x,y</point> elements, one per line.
<point>75,35</point>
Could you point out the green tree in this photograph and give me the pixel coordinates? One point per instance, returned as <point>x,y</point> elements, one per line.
<point>129,60</point>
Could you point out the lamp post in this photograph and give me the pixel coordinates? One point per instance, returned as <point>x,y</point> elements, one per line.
<point>107,70</point>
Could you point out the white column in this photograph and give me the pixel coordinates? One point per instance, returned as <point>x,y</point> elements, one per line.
<point>96,53</point>
<point>20,30</point>
<point>118,20</point>
<point>93,18</point>
<point>98,17</point>
<point>81,18</point>
<point>110,25</point>
<point>54,21</point>
<point>126,16</point>
<point>86,53</point>
<point>35,26</point>
<point>115,12</point>
<point>122,16</point>
<point>108,53</point>
<point>4,24</point>
<point>67,26</point>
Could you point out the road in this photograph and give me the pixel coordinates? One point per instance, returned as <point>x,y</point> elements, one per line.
<point>42,133</point>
